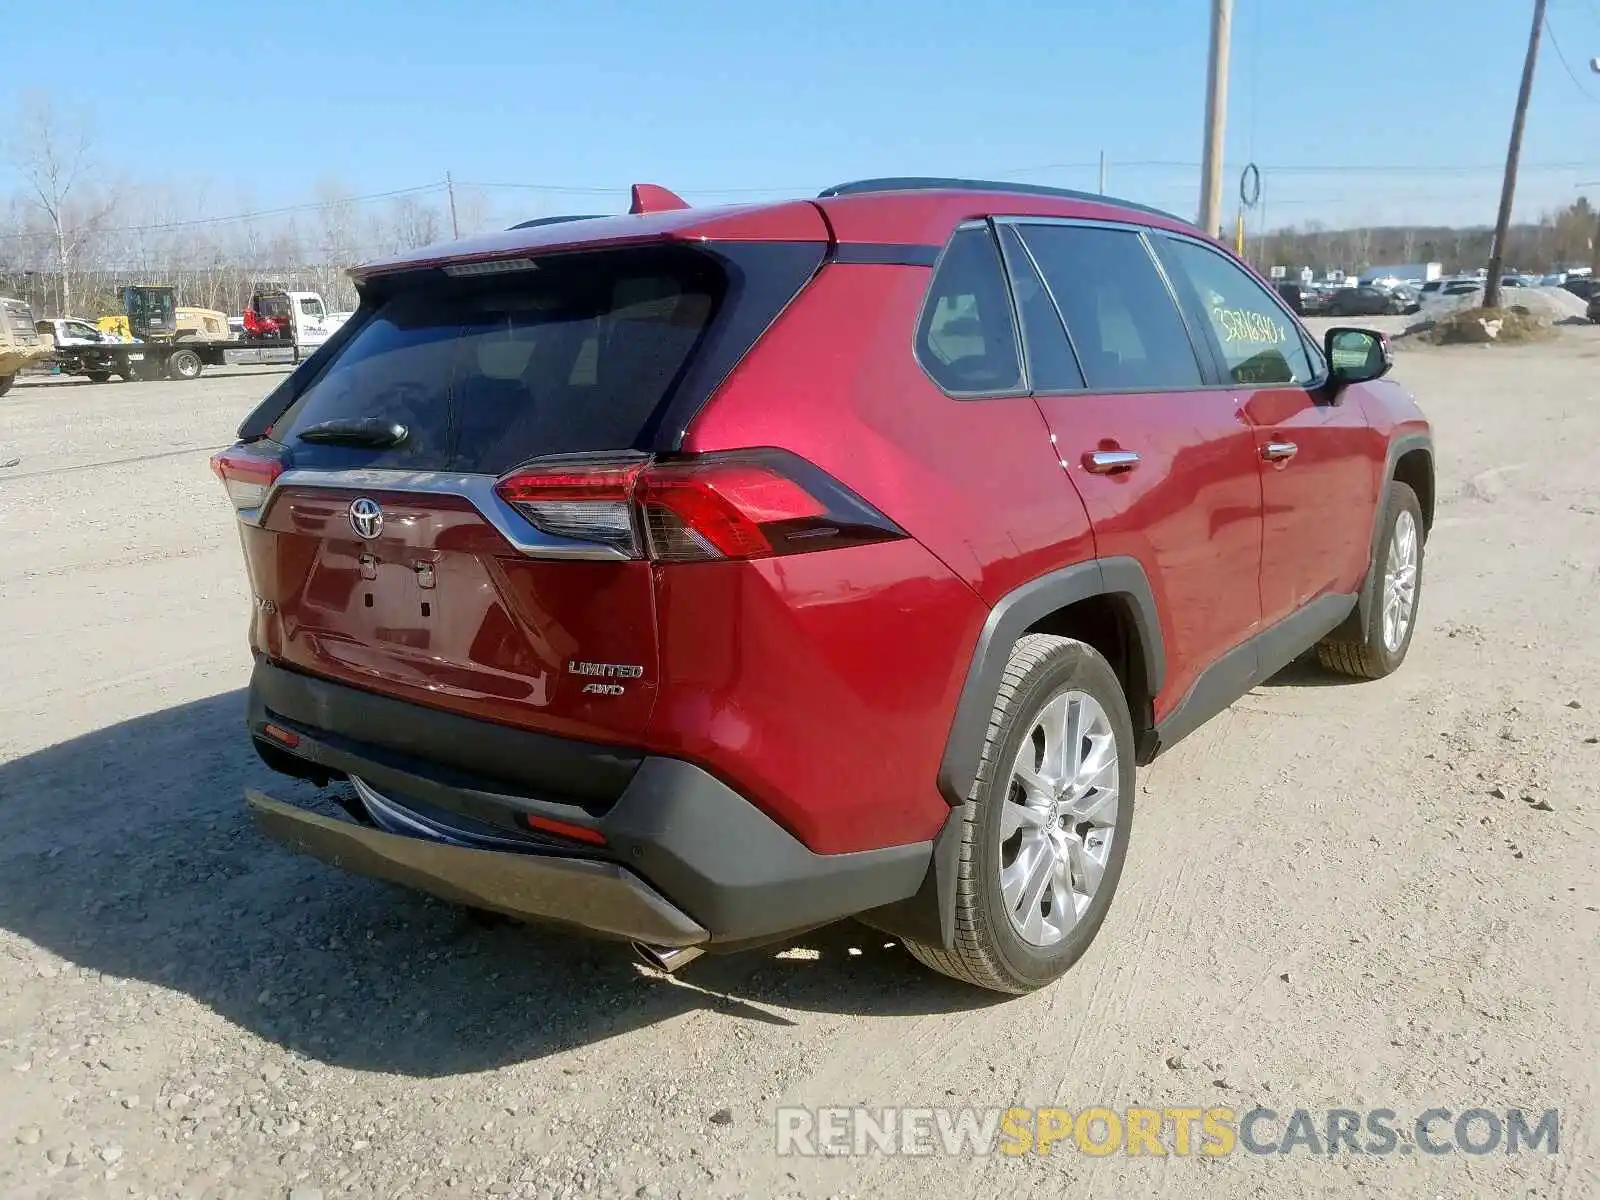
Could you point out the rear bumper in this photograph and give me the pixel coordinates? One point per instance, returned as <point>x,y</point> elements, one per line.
<point>686,860</point>
<point>598,897</point>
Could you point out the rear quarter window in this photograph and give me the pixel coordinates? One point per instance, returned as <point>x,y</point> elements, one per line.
<point>967,338</point>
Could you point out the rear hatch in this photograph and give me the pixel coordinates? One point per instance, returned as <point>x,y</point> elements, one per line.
<point>445,511</point>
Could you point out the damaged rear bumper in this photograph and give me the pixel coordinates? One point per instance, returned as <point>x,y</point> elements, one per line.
<point>597,897</point>
<point>675,857</point>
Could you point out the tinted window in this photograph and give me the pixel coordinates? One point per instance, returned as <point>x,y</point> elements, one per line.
<point>574,357</point>
<point>967,340</point>
<point>1051,365</point>
<point>1258,341</point>
<point>1122,319</point>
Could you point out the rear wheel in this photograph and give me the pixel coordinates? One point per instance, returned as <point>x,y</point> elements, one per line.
<point>98,376</point>
<point>1399,587</point>
<point>1045,830</point>
<point>184,364</point>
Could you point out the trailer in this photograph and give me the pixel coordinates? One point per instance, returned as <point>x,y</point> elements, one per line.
<point>281,328</point>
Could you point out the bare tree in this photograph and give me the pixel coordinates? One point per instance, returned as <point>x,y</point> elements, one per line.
<point>54,154</point>
<point>412,224</point>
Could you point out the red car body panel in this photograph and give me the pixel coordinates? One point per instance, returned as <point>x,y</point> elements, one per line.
<point>491,638</point>
<point>1310,544</point>
<point>1190,513</point>
<point>806,683</point>
<point>928,217</point>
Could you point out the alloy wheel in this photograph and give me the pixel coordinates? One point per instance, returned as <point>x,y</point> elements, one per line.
<point>1400,582</point>
<point>1059,818</point>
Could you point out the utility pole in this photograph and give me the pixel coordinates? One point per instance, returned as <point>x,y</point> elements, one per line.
<point>1216,118</point>
<point>450,186</point>
<point>1102,172</point>
<point>1497,255</point>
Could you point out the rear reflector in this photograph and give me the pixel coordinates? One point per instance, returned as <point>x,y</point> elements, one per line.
<point>741,504</point>
<point>248,477</point>
<point>282,736</point>
<point>566,829</point>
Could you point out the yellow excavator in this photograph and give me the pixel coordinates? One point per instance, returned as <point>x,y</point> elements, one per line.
<point>153,314</point>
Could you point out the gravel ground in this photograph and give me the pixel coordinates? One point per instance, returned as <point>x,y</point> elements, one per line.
<point>1351,895</point>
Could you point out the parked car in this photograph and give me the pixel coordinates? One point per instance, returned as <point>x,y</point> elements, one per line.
<point>1438,295</point>
<point>1315,299</point>
<point>1593,311</point>
<point>697,577</point>
<point>1295,296</point>
<point>1582,286</point>
<point>1363,301</point>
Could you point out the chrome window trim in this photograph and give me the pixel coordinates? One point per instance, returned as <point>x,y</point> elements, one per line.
<point>476,489</point>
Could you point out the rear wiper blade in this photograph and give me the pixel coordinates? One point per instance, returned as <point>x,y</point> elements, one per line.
<point>358,431</point>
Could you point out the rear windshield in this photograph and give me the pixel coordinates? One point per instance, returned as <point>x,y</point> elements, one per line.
<point>576,355</point>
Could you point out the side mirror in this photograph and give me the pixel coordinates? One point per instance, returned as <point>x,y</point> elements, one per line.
<point>1356,356</point>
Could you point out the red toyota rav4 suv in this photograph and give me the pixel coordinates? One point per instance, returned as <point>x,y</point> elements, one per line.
<point>698,577</point>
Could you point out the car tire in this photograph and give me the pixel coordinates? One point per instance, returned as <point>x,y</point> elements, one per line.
<point>1027,852</point>
<point>184,364</point>
<point>98,376</point>
<point>1395,596</point>
<point>5,383</point>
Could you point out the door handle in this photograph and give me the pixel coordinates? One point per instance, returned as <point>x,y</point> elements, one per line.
<point>1279,451</point>
<point>1109,462</point>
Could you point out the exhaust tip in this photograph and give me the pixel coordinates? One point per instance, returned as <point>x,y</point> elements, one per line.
<point>666,958</point>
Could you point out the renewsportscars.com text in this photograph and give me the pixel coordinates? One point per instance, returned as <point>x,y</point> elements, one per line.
<point>1178,1131</point>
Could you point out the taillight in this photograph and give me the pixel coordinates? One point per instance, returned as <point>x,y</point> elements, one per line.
<point>247,476</point>
<point>739,504</point>
<point>589,500</point>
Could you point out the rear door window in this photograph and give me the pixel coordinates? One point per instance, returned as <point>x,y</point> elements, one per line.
<point>1123,321</point>
<point>575,356</point>
<point>967,340</point>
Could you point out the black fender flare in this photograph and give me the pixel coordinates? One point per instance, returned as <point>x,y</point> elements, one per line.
<point>929,915</point>
<point>1121,577</point>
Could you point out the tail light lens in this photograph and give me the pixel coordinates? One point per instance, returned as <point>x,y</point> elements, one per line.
<point>742,504</point>
<point>589,500</point>
<point>246,475</point>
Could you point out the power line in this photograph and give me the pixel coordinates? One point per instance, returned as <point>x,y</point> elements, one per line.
<point>1268,169</point>
<point>285,210</point>
<point>1566,66</point>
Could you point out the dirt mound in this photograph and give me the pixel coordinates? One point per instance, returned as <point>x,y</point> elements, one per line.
<point>1552,303</point>
<point>1482,326</point>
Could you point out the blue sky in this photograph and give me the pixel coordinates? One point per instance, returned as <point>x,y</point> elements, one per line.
<point>712,97</point>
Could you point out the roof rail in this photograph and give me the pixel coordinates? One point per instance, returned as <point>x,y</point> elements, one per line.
<point>538,221</point>
<point>928,183</point>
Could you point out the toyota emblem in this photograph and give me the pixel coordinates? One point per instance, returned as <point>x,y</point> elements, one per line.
<point>366,518</point>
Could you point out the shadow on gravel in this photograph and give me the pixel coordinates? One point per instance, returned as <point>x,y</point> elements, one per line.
<point>128,851</point>
<point>1306,671</point>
